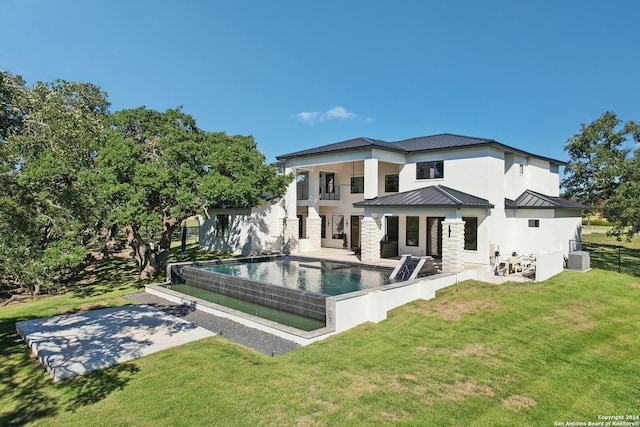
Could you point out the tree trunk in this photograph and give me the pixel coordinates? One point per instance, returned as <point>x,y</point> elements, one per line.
<point>151,257</point>
<point>144,253</point>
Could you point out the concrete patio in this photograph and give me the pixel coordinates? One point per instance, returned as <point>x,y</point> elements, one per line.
<point>73,344</point>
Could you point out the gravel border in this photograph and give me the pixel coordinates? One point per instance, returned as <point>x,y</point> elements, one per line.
<point>258,340</point>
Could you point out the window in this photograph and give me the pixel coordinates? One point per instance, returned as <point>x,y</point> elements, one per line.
<point>337,227</point>
<point>323,226</point>
<point>357,184</point>
<point>222,225</point>
<point>534,223</point>
<point>413,230</point>
<point>391,183</point>
<point>302,186</point>
<point>330,183</point>
<point>470,233</point>
<point>521,169</point>
<point>430,170</point>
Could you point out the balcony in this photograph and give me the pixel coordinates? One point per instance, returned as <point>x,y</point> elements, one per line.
<point>330,193</point>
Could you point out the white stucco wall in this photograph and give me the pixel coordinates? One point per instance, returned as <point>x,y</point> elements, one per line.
<point>537,175</point>
<point>249,231</point>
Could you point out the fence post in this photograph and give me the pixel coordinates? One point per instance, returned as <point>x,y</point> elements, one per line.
<point>619,250</point>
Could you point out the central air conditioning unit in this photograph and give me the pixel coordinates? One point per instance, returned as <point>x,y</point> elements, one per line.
<point>579,261</point>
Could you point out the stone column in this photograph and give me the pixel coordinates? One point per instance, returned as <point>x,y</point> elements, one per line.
<point>291,236</point>
<point>369,240</point>
<point>453,245</point>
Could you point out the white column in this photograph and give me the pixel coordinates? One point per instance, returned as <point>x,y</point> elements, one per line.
<point>313,187</point>
<point>453,245</point>
<point>291,236</point>
<point>370,178</point>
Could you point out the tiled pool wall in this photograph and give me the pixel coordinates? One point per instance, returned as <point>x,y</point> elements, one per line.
<point>303,303</point>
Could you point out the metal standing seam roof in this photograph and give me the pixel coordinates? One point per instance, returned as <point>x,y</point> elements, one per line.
<point>351,144</point>
<point>435,196</point>
<point>444,141</point>
<point>441,141</point>
<point>533,200</point>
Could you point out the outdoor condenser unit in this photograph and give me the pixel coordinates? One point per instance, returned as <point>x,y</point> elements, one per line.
<point>579,260</point>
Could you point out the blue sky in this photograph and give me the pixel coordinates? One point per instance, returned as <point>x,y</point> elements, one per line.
<point>298,74</point>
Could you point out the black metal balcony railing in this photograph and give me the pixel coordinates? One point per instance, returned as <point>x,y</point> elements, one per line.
<point>330,193</point>
<point>302,193</point>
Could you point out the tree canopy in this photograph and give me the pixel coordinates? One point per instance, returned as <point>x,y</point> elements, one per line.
<point>72,172</point>
<point>604,170</point>
<point>157,169</point>
<point>48,140</point>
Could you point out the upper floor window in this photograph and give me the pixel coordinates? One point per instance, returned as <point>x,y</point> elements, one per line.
<point>430,170</point>
<point>302,186</point>
<point>357,184</point>
<point>521,169</point>
<point>391,183</point>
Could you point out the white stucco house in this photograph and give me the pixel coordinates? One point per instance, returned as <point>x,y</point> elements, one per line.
<point>456,198</point>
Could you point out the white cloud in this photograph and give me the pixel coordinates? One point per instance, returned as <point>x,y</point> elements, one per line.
<point>335,113</point>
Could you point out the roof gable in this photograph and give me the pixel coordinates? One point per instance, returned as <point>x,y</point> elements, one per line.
<point>434,196</point>
<point>530,199</point>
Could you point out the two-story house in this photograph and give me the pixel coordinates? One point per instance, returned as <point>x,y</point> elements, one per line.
<point>460,199</point>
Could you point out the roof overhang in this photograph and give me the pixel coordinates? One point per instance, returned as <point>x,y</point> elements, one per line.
<point>532,200</point>
<point>435,196</point>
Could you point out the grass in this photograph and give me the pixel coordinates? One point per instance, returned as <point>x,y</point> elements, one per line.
<point>478,354</point>
<point>607,253</point>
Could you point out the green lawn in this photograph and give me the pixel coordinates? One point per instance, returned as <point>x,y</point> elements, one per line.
<point>608,253</point>
<point>515,354</point>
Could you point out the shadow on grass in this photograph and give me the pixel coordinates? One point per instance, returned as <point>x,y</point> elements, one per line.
<point>614,258</point>
<point>118,273</point>
<point>106,275</point>
<point>95,386</point>
<point>194,253</point>
<point>22,381</point>
<point>29,394</point>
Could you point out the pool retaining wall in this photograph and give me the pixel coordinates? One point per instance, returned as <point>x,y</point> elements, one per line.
<point>303,303</point>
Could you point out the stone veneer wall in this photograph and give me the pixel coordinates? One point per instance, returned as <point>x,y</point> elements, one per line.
<point>314,226</point>
<point>303,303</point>
<point>453,245</point>
<point>369,240</point>
<point>291,236</point>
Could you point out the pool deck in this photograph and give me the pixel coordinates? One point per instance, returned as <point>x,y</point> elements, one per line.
<point>346,255</point>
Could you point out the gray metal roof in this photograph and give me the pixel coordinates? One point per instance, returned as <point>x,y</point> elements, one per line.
<point>351,144</point>
<point>440,142</point>
<point>533,200</point>
<point>435,196</point>
<point>448,141</point>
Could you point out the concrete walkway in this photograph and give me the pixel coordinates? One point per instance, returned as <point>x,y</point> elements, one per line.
<point>73,344</point>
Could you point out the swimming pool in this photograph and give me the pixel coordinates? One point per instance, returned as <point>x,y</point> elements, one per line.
<point>292,284</point>
<point>321,276</point>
